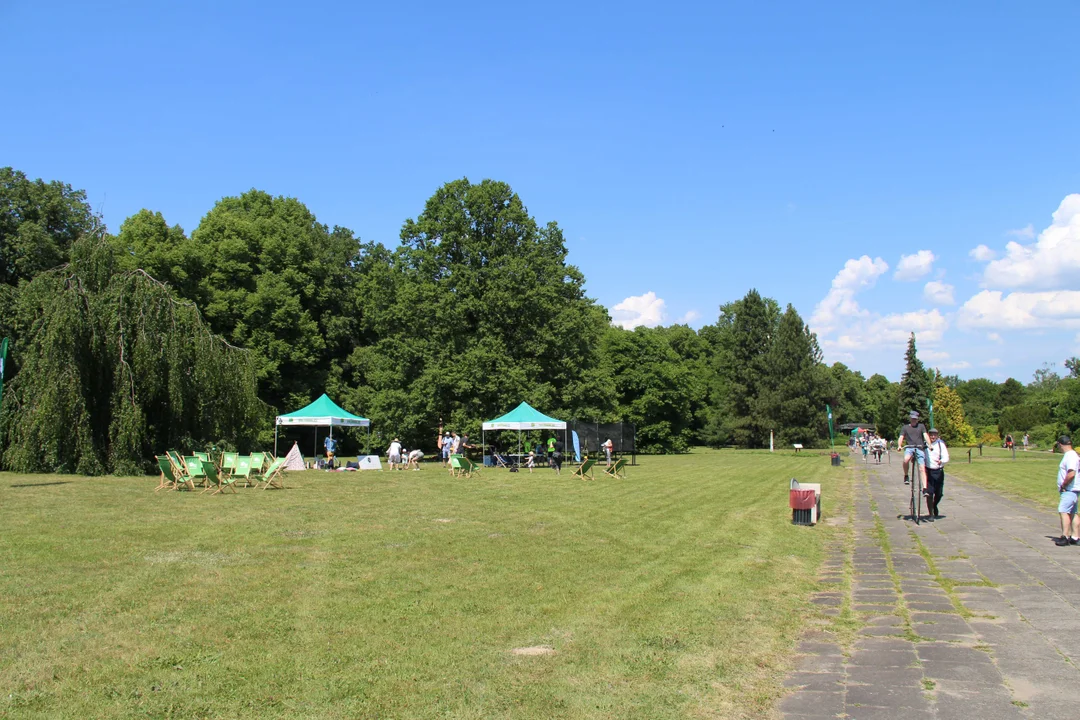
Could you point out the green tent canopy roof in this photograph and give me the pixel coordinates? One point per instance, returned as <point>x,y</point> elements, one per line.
<point>323,412</point>
<point>524,417</point>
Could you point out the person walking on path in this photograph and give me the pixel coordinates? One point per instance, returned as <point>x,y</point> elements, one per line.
<point>913,440</point>
<point>1026,441</point>
<point>1067,486</point>
<point>936,457</point>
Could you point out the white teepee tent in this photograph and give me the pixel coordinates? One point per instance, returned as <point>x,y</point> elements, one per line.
<point>295,459</point>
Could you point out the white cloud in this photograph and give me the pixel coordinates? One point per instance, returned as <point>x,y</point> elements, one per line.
<point>891,330</point>
<point>689,317</point>
<point>1028,232</point>
<point>913,267</point>
<point>982,253</point>
<point>961,365</point>
<point>1021,310</point>
<point>934,355</point>
<point>939,293</point>
<point>994,337</point>
<point>993,362</point>
<point>840,303</point>
<point>1051,262</point>
<point>647,310</point>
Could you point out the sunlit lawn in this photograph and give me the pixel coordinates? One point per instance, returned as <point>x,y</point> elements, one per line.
<point>673,593</point>
<point>1031,476</point>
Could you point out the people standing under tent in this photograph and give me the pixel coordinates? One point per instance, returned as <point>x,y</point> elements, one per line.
<point>556,456</point>
<point>936,457</point>
<point>913,439</point>
<point>393,453</point>
<point>414,459</point>
<point>608,447</point>
<point>1067,485</point>
<point>331,450</point>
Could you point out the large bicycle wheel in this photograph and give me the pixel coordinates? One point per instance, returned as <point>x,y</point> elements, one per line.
<point>915,504</point>
<point>918,504</point>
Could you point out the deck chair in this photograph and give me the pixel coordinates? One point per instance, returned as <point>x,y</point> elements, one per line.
<point>242,469</point>
<point>468,467</point>
<point>228,462</point>
<point>617,469</point>
<point>205,457</point>
<point>275,474</point>
<point>177,462</point>
<point>258,466</point>
<point>168,477</point>
<point>196,471</point>
<point>585,470</point>
<point>455,465</point>
<point>500,462</point>
<point>219,483</point>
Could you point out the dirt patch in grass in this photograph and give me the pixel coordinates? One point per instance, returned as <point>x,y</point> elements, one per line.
<point>534,650</point>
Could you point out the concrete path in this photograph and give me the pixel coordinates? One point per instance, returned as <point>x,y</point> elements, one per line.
<point>976,615</point>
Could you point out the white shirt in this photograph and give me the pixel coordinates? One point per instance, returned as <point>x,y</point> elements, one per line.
<point>1069,461</point>
<point>939,454</point>
<point>395,449</point>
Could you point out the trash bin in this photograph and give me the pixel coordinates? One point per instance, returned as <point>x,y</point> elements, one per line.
<point>835,458</point>
<point>804,499</point>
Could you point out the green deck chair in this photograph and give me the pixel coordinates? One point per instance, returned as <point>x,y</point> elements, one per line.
<point>168,477</point>
<point>219,483</point>
<point>617,468</point>
<point>468,467</point>
<point>584,470</point>
<point>228,462</point>
<point>275,475</point>
<point>456,468</point>
<point>177,462</point>
<point>258,466</point>
<point>243,469</point>
<point>196,471</point>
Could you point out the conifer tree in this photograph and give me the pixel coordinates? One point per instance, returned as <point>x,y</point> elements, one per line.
<point>915,384</point>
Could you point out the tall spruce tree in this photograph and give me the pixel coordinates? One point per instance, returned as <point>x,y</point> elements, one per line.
<point>793,392</point>
<point>915,384</point>
<point>744,338</point>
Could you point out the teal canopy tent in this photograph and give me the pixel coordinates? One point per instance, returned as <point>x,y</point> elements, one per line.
<point>523,417</point>
<point>324,412</point>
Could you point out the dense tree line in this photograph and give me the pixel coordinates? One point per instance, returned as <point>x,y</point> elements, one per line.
<point>262,308</point>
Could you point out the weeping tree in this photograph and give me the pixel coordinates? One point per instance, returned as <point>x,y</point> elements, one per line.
<point>114,368</point>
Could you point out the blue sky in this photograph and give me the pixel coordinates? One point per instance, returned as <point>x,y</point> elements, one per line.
<point>689,151</point>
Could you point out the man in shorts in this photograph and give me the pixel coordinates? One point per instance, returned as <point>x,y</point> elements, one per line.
<point>913,440</point>
<point>1068,487</point>
<point>393,453</point>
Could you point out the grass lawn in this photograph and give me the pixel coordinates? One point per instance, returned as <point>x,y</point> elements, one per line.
<point>674,593</point>
<point>1032,476</point>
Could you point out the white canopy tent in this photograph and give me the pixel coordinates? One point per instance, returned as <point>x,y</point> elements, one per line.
<point>324,412</point>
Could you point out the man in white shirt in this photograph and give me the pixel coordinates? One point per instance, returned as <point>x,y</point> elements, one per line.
<point>393,453</point>
<point>1068,487</point>
<point>936,457</point>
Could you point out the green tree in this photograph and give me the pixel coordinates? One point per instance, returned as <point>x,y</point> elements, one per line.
<point>915,384</point>
<point>39,222</point>
<point>477,311</point>
<point>743,340</point>
<point>849,396</point>
<point>980,397</point>
<point>1072,364</point>
<point>654,388</point>
<point>1010,393</point>
<point>114,368</point>
<point>147,242</point>
<point>274,280</point>
<point>794,393</point>
<point>949,416</point>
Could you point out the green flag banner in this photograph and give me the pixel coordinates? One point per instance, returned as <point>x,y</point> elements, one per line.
<point>828,411</point>
<point>3,359</point>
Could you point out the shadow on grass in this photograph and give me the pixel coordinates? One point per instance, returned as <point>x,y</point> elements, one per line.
<point>60,482</point>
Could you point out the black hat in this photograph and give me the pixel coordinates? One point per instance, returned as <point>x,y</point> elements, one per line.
<point>932,431</point>
<point>1065,440</point>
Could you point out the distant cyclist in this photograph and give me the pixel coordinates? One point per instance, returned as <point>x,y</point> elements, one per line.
<point>913,440</point>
